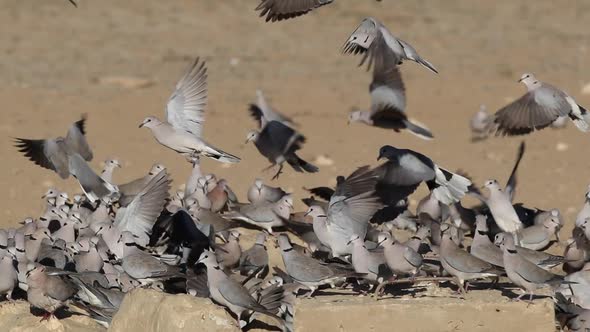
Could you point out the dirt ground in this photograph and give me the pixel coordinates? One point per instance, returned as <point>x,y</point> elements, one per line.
<point>58,62</point>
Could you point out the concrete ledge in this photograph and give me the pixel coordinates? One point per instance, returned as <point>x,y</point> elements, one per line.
<point>483,310</point>
<point>152,311</point>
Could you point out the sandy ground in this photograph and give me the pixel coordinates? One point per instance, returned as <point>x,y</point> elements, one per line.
<point>54,58</point>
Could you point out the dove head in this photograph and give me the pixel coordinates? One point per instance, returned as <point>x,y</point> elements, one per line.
<point>207,258</point>
<point>286,202</point>
<point>112,164</point>
<point>315,211</point>
<point>354,239</point>
<point>384,239</point>
<point>40,234</point>
<point>252,136</point>
<point>50,193</point>
<point>285,243</point>
<point>150,122</point>
<point>258,183</point>
<point>27,221</point>
<point>35,272</point>
<point>505,241</point>
<point>492,185</point>
<point>529,80</point>
<point>234,235</point>
<point>156,168</point>
<point>552,223</point>
<point>388,152</point>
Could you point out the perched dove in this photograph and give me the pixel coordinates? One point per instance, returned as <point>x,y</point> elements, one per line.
<point>47,292</point>
<point>185,114</point>
<point>460,264</point>
<point>255,257</point>
<point>8,276</point>
<point>524,274</point>
<point>538,108</point>
<point>230,293</point>
<point>309,272</point>
<point>228,254</point>
<point>538,237</point>
<point>261,193</point>
<point>401,259</point>
<point>373,39</point>
<point>388,98</point>
<point>109,168</point>
<point>264,215</point>
<point>372,263</point>
<point>585,210</point>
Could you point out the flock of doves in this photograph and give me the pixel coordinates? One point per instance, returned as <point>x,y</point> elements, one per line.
<point>89,251</point>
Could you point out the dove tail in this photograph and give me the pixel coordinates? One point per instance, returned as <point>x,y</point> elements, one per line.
<point>451,187</point>
<point>418,130</point>
<point>427,64</point>
<point>301,165</point>
<point>220,155</point>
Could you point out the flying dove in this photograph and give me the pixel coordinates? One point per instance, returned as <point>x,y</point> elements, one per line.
<point>538,108</point>
<point>377,43</point>
<point>405,169</point>
<point>278,10</point>
<point>185,114</point>
<point>264,215</point>
<point>53,153</point>
<point>388,98</point>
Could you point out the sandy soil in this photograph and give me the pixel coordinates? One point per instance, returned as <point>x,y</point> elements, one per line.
<point>54,58</point>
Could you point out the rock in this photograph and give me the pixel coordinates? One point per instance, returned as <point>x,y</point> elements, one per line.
<point>16,317</point>
<point>146,310</point>
<point>488,311</point>
<point>560,146</point>
<point>126,82</point>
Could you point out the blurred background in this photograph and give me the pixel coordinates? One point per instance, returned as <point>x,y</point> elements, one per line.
<point>118,61</point>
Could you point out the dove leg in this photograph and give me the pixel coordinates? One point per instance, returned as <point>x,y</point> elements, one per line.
<point>280,171</point>
<point>311,291</point>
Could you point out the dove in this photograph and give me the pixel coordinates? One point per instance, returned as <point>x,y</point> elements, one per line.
<point>8,276</point>
<point>109,167</point>
<point>141,214</point>
<point>278,10</point>
<point>480,124</point>
<point>255,257</point>
<point>264,215</point>
<point>279,143</point>
<point>218,196</point>
<point>585,210</point>
<point>33,243</point>
<point>538,108</point>
<point>263,113</point>
<point>90,260</point>
<point>228,254</point>
<point>196,173</point>
<point>570,315</point>
<point>308,271</point>
<point>185,114</point>
<point>577,251</point>
<point>433,207</point>
<point>482,247</point>
<point>538,237</point>
<point>418,238</point>
<point>405,169</point>
<point>129,190</point>
<point>350,208</point>
<point>230,293</point>
<point>47,292</point>
<point>523,273</point>
<point>460,264</point>
<point>388,98</point>
<point>93,186</point>
<point>377,44</point>
<point>401,259</point>
<point>54,153</point>
<point>141,265</point>
<point>372,263</point>
<point>542,216</point>
<point>261,193</point>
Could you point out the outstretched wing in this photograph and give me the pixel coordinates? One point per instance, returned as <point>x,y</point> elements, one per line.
<point>186,107</point>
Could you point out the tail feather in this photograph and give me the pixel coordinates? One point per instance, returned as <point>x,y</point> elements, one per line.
<point>301,165</point>
<point>418,129</point>
<point>452,187</point>
<point>427,64</point>
<point>220,155</point>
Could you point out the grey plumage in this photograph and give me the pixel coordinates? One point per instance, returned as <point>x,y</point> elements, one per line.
<point>278,10</point>
<point>309,272</point>
<point>260,193</point>
<point>538,109</point>
<point>388,98</point>
<point>264,215</point>
<point>255,257</point>
<point>185,114</point>
<point>526,275</point>
<point>401,259</point>
<point>373,39</point>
